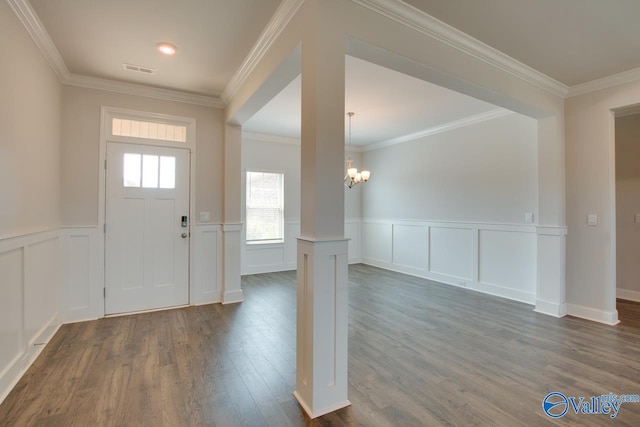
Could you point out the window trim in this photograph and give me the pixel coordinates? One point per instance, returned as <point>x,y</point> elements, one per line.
<point>266,242</point>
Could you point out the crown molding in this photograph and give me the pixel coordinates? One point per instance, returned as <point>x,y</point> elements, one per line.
<point>627,111</point>
<point>29,18</point>
<point>605,82</point>
<point>477,118</point>
<point>283,15</point>
<point>354,148</point>
<point>142,90</point>
<point>266,137</point>
<point>31,22</point>
<point>424,23</point>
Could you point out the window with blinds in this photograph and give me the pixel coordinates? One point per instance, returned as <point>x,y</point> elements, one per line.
<point>265,207</point>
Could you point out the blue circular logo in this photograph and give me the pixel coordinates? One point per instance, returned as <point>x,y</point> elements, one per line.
<point>555,404</point>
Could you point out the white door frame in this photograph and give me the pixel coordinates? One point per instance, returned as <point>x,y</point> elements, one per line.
<point>106,115</point>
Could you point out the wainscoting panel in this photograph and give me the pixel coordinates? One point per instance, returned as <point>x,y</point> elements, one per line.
<point>507,260</point>
<point>451,252</point>
<point>206,286</point>
<point>41,287</point>
<point>410,248</point>
<point>11,269</point>
<point>352,231</point>
<point>29,271</point>
<point>377,242</point>
<point>498,259</point>
<point>81,296</point>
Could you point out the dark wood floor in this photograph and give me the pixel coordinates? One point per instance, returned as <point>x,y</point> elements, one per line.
<point>420,353</point>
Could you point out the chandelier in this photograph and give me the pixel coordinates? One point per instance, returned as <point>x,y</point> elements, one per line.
<point>353,177</point>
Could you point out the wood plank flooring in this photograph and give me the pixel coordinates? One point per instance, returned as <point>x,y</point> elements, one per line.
<point>420,354</point>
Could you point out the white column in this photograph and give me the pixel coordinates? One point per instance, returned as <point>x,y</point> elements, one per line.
<point>322,322</point>
<point>231,290</point>
<point>550,292</point>
<point>321,375</point>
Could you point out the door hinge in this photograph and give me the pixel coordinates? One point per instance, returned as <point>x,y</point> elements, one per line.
<point>104,228</point>
<point>104,292</point>
<point>105,164</point>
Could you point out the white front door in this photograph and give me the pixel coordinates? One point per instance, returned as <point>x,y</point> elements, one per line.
<point>147,242</point>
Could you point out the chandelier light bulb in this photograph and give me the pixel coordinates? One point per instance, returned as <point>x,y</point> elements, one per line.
<point>354,177</point>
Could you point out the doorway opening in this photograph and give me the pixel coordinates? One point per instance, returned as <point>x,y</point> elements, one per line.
<point>627,215</point>
<point>146,200</point>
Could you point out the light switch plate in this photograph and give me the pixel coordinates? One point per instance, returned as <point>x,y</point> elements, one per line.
<point>637,217</point>
<point>528,217</point>
<point>205,216</point>
<point>592,219</point>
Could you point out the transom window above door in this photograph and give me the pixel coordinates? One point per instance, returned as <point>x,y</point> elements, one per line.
<point>149,171</point>
<point>148,130</point>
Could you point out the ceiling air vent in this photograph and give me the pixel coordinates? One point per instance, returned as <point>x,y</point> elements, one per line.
<point>138,69</point>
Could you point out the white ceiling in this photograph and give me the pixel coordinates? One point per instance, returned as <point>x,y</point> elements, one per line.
<point>572,41</point>
<point>95,37</point>
<point>387,104</point>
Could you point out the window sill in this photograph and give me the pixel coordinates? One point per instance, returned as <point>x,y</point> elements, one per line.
<point>265,244</point>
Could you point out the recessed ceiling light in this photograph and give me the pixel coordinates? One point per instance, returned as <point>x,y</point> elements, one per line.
<point>166,48</point>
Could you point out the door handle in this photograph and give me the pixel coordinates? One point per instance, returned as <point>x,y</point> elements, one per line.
<point>183,235</point>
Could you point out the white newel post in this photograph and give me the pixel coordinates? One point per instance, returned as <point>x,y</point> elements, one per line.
<point>322,319</point>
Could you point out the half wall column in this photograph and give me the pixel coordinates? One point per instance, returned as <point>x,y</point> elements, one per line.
<point>550,292</point>
<point>232,226</point>
<point>322,321</point>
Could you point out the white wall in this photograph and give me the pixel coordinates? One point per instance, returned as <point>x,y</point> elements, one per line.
<point>30,108</point>
<point>627,206</point>
<point>267,155</point>
<point>81,142</point>
<point>30,141</point>
<point>590,176</point>
<point>485,172</point>
<point>451,207</point>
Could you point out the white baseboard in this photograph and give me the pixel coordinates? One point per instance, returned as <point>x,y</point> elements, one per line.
<point>10,376</point>
<point>628,294</point>
<point>269,268</point>
<point>550,308</point>
<point>590,313</point>
<point>232,297</point>
<point>485,288</point>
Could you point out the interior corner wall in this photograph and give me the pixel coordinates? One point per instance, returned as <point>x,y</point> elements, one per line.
<point>627,207</point>
<point>30,142</point>
<point>590,181</point>
<point>272,156</point>
<point>451,207</point>
<point>30,114</point>
<point>81,142</point>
